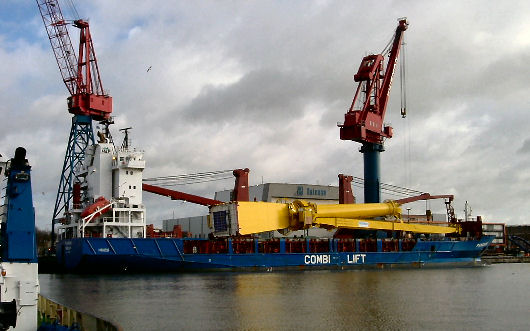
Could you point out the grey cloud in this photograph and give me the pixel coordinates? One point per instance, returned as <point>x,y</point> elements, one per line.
<point>526,147</point>
<point>264,95</point>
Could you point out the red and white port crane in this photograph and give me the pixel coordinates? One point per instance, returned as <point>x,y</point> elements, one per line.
<point>80,73</point>
<point>364,124</point>
<point>87,101</point>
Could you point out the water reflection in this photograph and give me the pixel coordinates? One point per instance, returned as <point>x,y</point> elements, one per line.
<point>397,299</point>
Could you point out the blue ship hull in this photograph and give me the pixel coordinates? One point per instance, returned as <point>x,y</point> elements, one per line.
<point>99,255</point>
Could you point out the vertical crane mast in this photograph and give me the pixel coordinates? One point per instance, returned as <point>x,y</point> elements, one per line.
<point>364,123</point>
<point>87,100</point>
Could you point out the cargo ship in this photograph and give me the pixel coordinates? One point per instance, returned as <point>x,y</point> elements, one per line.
<point>99,255</point>
<point>106,229</point>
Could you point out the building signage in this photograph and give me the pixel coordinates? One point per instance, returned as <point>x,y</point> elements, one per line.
<point>310,191</point>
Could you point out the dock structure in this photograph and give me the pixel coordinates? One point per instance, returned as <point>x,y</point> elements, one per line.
<point>59,317</point>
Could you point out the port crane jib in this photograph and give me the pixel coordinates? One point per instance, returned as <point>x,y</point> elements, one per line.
<point>80,73</point>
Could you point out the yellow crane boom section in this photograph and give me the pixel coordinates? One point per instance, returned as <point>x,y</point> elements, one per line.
<point>255,217</point>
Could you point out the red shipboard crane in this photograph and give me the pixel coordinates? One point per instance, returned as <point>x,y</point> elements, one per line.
<point>448,199</point>
<point>241,191</point>
<point>87,101</point>
<point>364,124</point>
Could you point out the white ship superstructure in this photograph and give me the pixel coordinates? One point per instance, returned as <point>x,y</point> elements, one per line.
<point>108,201</point>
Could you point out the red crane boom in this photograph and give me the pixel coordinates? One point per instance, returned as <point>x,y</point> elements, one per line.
<point>176,195</point>
<point>448,199</point>
<point>80,74</point>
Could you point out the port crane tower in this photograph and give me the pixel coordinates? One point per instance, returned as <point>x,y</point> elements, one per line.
<point>87,102</point>
<point>363,122</point>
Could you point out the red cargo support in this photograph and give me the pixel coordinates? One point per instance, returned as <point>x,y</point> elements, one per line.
<point>295,246</point>
<point>243,246</point>
<point>319,246</point>
<point>346,245</point>
<point>345,190</point>
<point>241,185</point>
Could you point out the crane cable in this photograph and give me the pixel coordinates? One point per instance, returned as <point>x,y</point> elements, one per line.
<point>403,110</point>
<point>204,177</point>
<point>70,4</point>
<point>403,79</point>
<point>386,50</point>
<point>196,178</point>
<point>389,189</point>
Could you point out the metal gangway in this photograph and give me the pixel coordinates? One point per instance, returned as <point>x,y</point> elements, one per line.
<point>522,243</point>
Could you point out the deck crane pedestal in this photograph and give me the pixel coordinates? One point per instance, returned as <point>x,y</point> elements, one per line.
<point>87,101</point>
<point>365,124</point>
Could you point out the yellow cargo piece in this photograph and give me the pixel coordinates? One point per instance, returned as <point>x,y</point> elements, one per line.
<point>367,224</point>
<point>255,217</point>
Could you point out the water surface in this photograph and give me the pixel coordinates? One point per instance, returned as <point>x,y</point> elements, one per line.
<point>495,297</point>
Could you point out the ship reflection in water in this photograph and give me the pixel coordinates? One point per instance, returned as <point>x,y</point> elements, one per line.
<point>494,297</point>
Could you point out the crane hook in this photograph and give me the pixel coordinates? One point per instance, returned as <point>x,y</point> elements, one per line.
<point>403,112</point>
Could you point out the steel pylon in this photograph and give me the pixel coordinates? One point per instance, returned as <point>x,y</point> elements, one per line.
<point>81,136</point>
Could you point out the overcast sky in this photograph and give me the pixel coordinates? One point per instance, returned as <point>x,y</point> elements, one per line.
<point>262,84</point>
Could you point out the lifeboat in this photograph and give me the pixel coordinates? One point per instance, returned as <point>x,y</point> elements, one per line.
<point>99,206</point>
